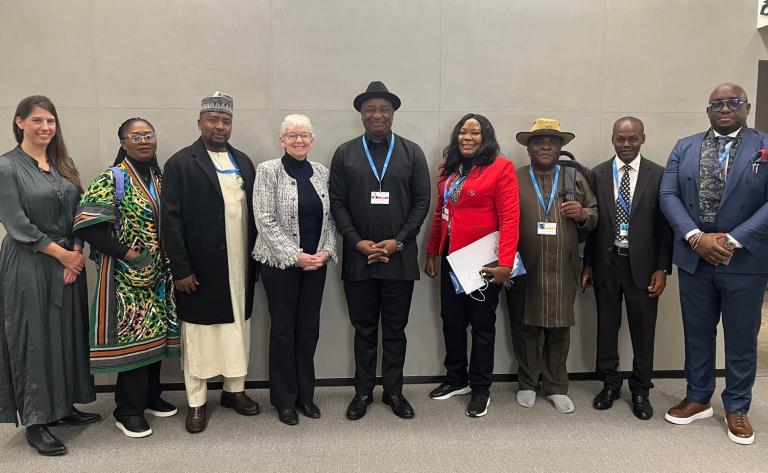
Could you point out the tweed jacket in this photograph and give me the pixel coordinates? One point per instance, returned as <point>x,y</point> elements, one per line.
<point>276,211</point>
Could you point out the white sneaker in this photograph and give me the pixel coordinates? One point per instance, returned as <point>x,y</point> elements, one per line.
<point>134,426</point>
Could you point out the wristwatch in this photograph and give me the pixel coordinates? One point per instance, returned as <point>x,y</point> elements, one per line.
<point>399,245</point>
<point>730,244</point>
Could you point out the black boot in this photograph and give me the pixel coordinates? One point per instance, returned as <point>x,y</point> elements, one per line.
<point>42,440</point>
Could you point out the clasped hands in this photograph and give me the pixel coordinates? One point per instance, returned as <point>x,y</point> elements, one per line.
<point>312,262</point>
<point>377,252</point>
<point>711,247</point>
<point>73,262</point>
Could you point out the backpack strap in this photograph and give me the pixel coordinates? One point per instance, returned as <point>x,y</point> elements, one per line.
<point>117,177</point>
<point>569,182</point>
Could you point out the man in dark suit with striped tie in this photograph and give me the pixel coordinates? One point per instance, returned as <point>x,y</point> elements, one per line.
<point>628,256</point>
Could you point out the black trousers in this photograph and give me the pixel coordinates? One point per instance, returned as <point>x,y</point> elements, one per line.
<point>369,301</point>
<point>641,316</point>
<point>458,311</point>
<point>136,389</point>
<point>294,297</point>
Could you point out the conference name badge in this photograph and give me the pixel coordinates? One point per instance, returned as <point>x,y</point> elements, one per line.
<point>445,213</point>
<point>380,198</point>
<point>546,228</point>
<point>624,230</point>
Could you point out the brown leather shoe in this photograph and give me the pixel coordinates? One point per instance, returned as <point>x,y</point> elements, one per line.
<point>687,411</point>
<point>739,428</point>
<point>197,420</point>
<point>241,403</point>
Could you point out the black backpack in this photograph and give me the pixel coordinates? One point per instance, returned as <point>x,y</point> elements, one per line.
<point>570,167</point>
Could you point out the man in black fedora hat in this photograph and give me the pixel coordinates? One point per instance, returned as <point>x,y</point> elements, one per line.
<point>380,190</point>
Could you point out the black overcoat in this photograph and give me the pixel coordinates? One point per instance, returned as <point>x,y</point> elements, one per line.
<point>194,236</point>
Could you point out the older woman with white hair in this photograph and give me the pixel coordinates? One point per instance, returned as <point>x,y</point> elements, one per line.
<point>296,238</point>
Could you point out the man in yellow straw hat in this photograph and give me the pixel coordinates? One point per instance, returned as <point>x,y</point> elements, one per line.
<point>541,302</point>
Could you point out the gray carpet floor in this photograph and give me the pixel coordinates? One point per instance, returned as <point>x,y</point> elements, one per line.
<point>440,439</point>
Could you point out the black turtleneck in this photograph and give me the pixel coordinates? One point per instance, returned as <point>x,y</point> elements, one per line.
<point>142,167</point>
<point>310,205</point>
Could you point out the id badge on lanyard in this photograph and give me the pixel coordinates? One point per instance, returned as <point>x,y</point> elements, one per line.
<point>448,190</point>
<point>624,230</point>
<point>546,228</point>
<point>379,197</point>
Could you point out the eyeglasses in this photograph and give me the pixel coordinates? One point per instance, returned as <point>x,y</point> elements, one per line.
<point>296,136</point>
<point>148,138</point>
<point>733,104</point>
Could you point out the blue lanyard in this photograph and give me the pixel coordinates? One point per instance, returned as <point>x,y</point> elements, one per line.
<point>449,189</point>
<point>724,157</point>
<point>236,169</point>
<point>386,162</point>
<point>546,208</point>
<point>153,191</point>
<point>627,208</point>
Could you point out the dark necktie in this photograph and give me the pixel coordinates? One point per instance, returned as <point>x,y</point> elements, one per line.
<point>622,217</point>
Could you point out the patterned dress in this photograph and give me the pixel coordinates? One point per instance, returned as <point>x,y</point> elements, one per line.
<point>133,314</point>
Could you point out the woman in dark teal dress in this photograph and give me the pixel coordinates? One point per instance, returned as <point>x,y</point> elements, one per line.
<point>44,367</point>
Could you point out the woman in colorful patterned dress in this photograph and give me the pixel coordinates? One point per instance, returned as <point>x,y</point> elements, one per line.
<point>133,317</point>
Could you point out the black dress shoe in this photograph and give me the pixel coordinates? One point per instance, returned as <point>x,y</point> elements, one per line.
<point>196,420</point>
<point>78,418</point>
<point>241,403</point>
<point>288,416</point>
<point>641,407</point>
<point>310,410</point>
<point>358,406</point>
<point>42,440</point>
<point>604,399</point>
<point>400,405</point>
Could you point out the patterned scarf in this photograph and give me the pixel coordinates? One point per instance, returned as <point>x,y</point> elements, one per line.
<point>711,176</point>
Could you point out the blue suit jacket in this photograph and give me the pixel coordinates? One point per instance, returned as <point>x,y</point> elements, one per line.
<point>743,210</point>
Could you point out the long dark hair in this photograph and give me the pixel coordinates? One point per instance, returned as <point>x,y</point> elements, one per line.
<point>122,153</point>
<point>485,155</point>
<point>56,151</point>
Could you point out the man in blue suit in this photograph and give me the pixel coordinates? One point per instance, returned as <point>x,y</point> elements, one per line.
<point>715,196</point>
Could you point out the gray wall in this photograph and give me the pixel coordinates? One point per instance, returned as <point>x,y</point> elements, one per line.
<point>585,63</point>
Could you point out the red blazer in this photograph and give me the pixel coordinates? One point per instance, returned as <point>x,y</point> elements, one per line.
<point>488,201</point>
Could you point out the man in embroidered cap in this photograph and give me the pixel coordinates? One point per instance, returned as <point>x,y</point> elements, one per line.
<point>556,203</point>
<point>715,197</point>
<point>379,190</point>
<point>208,229</point>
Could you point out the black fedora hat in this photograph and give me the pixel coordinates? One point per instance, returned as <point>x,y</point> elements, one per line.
<point>376,90</point>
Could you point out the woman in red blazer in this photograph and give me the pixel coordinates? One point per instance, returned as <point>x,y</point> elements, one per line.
<point>477,195</point>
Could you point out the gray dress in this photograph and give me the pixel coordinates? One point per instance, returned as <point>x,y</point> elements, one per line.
<point>43,323</point>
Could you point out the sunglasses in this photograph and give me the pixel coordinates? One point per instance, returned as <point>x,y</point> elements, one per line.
<point>733,104</point>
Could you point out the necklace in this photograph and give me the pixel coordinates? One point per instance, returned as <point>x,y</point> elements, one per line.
<point>53,178</point>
